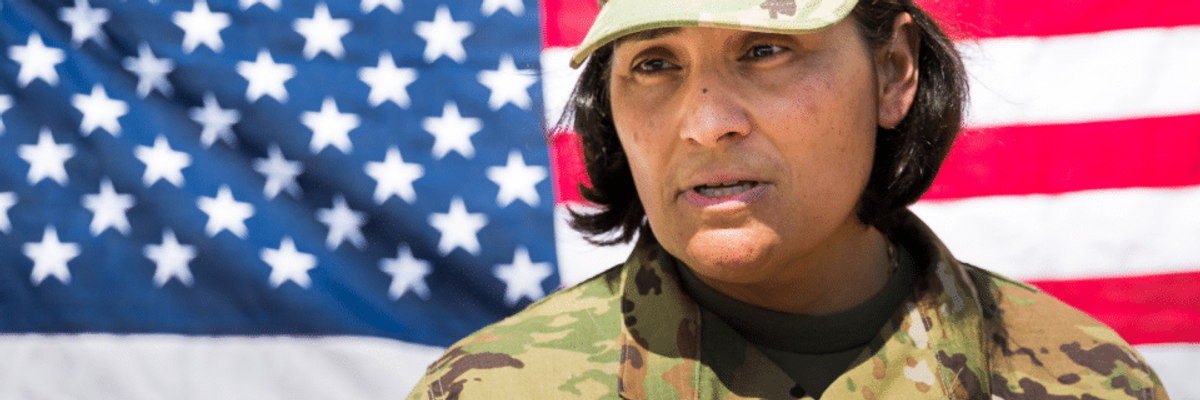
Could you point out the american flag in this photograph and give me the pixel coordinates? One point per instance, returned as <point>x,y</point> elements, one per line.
<point>310,199</point>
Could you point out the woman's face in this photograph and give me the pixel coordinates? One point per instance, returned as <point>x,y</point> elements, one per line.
<point>749,150</point>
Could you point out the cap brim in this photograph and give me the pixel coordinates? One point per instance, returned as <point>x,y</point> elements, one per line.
<point>622,17</point>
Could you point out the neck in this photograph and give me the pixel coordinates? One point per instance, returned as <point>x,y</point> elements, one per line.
<point>848,270</point>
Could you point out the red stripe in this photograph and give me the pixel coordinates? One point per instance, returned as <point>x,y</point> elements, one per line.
<point>1046,159</point>
<point>566,159</point>
<point>994,18</point>
<point>1052,159</point>
<point>567,21</point>
<point>1143,309</point>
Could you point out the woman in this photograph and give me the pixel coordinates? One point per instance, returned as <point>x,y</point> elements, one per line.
<point>764,152</point>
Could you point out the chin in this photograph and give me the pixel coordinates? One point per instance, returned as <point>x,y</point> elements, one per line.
<point>730,255</point>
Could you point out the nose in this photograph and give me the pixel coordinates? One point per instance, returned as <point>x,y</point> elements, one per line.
<point>713,113</point>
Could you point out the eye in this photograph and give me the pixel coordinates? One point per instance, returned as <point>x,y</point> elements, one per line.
<point>762,51</point>
<point>653,65</point>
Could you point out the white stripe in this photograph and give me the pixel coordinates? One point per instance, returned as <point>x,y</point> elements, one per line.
<point>1106,76</point>
<point>106,366</point>
<point>1176,367</point>
<point>1091,234</point>
<point>1118,232</point>
<point>558,80</point>
<point>578,259</point>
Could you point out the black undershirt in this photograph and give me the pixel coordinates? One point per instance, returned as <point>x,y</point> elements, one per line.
<point>812,350</point>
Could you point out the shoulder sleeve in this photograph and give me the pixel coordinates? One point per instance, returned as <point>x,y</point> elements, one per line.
<point>559,347</point>
<point>1043,347</point>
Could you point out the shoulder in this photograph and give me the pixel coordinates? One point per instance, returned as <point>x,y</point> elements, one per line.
<point>559,347</point>
<point>1041,345</point>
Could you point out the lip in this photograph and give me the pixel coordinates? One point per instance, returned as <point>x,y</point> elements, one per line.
<point>728,202</point>
<point>732,202</point>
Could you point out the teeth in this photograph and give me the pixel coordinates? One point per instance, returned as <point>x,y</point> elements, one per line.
<point>725,189</point>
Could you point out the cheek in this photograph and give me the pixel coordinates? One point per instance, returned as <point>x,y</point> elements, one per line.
<point>641,158</point>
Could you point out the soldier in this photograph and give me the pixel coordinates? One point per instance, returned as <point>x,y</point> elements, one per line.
<point>763,152</point>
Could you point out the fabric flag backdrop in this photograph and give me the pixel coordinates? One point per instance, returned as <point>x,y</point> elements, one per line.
<point>309,199</point>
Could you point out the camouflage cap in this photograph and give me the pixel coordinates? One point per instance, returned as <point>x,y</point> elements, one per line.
<point>618,18</point>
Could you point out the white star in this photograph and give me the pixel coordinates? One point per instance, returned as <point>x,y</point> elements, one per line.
<point>443,36</point>
<point>7,200</point>
<point>522,278</point>
<point>85,22</point>
<point>162,162</point>
<point>517,180</point>
<point>508,84</point>
<point>99,111</point>
<point>266,77</point>
<point>108,209</point>
<point>458,228</point>
<point>246,4</point>
<point>46,158</point>
<point>37,61</point>
<point>408,273</point>
<point>322,33</point>
<point>393,176</point>
<point>50,257</point>
<point>452,132</point>
<point>279,172</point>
<point>388,82</point>
<point>216,122</point>
<point>287,264</point>
<point>170,259</point>
<point>344,224</point>
<point>516,7</point>
<point>330,127</point>
<point>5,104</point>
<point>225,213</point>
<point>201,26</point>
<point>392,5</point>
<point>151,71</point>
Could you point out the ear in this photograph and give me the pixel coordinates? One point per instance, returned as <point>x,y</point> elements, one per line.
<point>897,71</point>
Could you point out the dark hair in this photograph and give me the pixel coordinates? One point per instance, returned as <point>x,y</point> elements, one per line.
<point>907,157</point>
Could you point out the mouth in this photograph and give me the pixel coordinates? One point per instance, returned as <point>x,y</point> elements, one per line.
<point>730,196</point>
<point>725,189</point>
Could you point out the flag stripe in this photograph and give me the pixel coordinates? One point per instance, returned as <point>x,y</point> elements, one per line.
<point>1048,18</point>
<point>567,161</point>
<point>102,366</point>
<point>1132,74</point>
<point>1176,367</point>
<point>1094,234</point>
<point>1048,159</point>
<point>1101,233</point>
<point>1096,77</point>
<point>566,22</point>
<point>579,260</point>
<point>1052,159</point>
<point>1144,309</point>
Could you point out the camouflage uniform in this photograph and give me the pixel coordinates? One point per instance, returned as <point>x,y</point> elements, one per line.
<point>631,332</point>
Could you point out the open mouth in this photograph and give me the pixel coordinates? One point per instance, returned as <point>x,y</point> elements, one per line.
<point>725,189</point>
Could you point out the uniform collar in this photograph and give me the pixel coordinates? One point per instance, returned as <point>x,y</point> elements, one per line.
<point>936,339</point>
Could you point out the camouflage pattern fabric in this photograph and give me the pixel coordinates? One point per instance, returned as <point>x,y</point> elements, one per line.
<point>631,332</point>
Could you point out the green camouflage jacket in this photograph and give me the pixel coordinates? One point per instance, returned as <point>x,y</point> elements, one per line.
<point>631,332</point>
